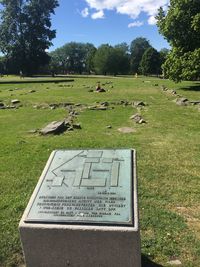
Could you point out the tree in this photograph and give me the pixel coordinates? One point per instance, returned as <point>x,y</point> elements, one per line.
<point>137,49</point>
<point>150,63</point>
<point>181,27</point>
<point>111,60</point>
<point>163,55</point>
<point>25,32</point>
<point>73,57</point>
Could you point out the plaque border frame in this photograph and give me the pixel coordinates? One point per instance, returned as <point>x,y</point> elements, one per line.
<point>133,196</point>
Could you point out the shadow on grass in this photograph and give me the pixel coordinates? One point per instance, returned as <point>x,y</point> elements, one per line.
<point>148,263</point>
<point>195,87</point>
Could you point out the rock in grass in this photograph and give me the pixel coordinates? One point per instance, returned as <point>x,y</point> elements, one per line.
<point>182,101</point>
<point>55,127</point>
<point>139,104</point>
<point>137,118</point>
<point>15,101</point>
<point>76,126</point>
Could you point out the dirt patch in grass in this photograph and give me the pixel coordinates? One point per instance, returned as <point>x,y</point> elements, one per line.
<point>192,217</point>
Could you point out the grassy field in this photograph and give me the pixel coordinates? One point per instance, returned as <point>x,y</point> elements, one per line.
<point>168,156</point>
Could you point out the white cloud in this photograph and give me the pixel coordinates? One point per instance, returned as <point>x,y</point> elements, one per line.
<point>132,8</point>
<point>98,15</point>
<point>85,12</point>
<point>152,20</point>
<point>135,24</point>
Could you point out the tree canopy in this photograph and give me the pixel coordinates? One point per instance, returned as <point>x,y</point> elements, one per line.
<point>25,33</point>
<point>137,49</point>
<point>150,63</point>
<point>181,27</point>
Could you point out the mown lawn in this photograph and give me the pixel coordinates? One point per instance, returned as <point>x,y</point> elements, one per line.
<point>168,156</point>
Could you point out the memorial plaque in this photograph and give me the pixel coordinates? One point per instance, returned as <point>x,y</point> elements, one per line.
<point>86,187</point>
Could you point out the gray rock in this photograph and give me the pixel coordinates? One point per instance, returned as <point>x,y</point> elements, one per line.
<point>109,127</point>
<point>2,104</point>
<point>77,126</point>
<point>32,91</point>
<point>15,101</point>
<point>195,102</point>
<point>182,101</point>
<point>139,104</point>
<point>137,118</point>
<point>55,127</point>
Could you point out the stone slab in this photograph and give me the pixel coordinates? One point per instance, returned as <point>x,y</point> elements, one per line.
<point>47,244</point>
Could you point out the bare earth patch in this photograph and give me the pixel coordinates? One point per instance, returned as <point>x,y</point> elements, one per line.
<point>192,216</point>
<point>126,130</point>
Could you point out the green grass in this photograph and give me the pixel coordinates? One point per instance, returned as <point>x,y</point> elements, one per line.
<point>168,153</point>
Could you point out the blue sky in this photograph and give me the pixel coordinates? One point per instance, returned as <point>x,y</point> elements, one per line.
<point>107,21</point>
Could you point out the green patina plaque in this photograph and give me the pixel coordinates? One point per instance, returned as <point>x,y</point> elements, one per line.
<point>85,187</point>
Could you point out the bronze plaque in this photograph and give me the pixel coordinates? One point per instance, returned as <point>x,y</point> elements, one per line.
<point>85,187</point>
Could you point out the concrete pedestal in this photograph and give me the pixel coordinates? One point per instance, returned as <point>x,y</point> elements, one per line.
<point>80,246</point>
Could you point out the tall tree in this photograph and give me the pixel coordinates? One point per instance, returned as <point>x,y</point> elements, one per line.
<point>150,63</point>
<point>25,32</point>
<point>137,49</point>
<point>181,27</point>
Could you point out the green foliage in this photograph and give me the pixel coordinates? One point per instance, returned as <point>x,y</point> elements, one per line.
<point>111,60</point>
<point>180,26</point>
<point>137,49</point>
<point>73,57</point>
<point>25,33</point>
<point>150,63</point>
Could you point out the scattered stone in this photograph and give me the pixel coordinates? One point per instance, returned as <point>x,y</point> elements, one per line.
<point>109,127</point>
<point>105,104</point>
<point>70,129</point>
<point>195,102</point>
<point>101,90</point>
<point>163,87</point>
<point>32,91</point>
<point>139,104</point>
<point>76,126</point>
<point>126,130</point>
<point>174,262</point>
<point>55,127</point>
<point>97,108</point>
<point>2,104</point>
<point>15,101</point>
<point>182,101</point>
<point>137,118</point>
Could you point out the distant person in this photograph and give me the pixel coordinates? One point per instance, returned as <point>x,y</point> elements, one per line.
<point>21,74</point>
<point>136,75</point>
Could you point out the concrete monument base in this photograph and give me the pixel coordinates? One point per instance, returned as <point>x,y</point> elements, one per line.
<point>80,246</point>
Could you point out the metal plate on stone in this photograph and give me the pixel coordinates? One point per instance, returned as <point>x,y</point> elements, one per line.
<point>86,187</point>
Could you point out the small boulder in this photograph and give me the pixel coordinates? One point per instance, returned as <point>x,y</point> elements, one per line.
<point>182,101</point>
<point>139,104</point>
<point>137,118</point>
<point>15,101</point>
<point>55,127</point>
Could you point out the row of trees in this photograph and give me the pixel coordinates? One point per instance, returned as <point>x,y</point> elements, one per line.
<point>26,35</point>
<point>139,57</point>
